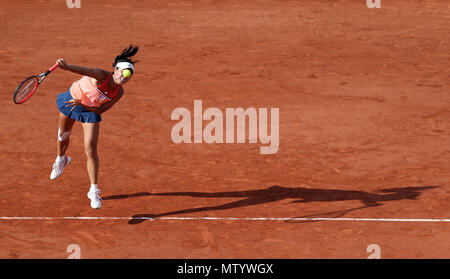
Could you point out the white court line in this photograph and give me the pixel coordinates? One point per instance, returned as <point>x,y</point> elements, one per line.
<point>227,219</point>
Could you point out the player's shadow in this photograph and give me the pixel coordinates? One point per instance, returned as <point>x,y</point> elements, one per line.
<point>277,193</point>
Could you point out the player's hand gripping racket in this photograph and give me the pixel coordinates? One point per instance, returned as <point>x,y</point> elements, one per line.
<point>27,88</point>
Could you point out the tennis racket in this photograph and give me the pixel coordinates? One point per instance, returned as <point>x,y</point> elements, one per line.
<point>27,87</point>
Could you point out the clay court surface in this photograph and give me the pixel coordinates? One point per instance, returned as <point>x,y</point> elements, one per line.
<point>363,98</point>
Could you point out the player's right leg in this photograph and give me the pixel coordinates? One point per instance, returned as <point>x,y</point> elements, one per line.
<point>65,125</point>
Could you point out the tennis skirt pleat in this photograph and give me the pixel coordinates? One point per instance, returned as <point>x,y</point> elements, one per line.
<point>79,113</point>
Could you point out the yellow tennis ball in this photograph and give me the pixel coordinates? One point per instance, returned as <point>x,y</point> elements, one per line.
<point>126,73</point>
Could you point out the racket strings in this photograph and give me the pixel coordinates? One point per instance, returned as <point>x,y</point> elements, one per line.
<point>26,89</point>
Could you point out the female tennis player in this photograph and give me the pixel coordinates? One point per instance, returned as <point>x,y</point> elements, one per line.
<point>96,92</point>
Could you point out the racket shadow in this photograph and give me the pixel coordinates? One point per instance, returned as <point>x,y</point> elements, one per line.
<point>327,215</point>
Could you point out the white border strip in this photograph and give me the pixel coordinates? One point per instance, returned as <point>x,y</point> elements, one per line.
<point>227,219</point>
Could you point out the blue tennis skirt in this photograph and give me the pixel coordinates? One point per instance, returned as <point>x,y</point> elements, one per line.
<point>79,113</point>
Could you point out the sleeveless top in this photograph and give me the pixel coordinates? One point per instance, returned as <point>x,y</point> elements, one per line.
<point>91,95</point>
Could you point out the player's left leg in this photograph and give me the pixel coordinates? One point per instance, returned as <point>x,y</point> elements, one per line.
<point>91,133</point>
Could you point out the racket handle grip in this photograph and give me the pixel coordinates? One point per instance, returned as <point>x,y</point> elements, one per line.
<point>53,67</point>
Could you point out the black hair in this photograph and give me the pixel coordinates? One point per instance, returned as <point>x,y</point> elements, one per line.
<point>126,55</point>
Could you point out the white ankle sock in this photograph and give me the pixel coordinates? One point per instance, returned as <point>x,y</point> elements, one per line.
<point>94,187</point>
<point>59,159</point>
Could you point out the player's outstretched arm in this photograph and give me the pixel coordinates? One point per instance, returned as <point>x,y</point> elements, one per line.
<point>98,74</point>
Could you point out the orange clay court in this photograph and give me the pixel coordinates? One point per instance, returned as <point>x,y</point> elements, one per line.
<point>364,131</point>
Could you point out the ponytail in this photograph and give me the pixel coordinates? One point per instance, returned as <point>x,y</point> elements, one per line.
<point>126,55</point>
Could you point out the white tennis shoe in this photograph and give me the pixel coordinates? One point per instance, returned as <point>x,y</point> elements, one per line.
<point>94,196</point>
<point>58,167</point>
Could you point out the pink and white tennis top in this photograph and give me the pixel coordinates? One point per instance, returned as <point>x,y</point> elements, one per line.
<point>91,95</point>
